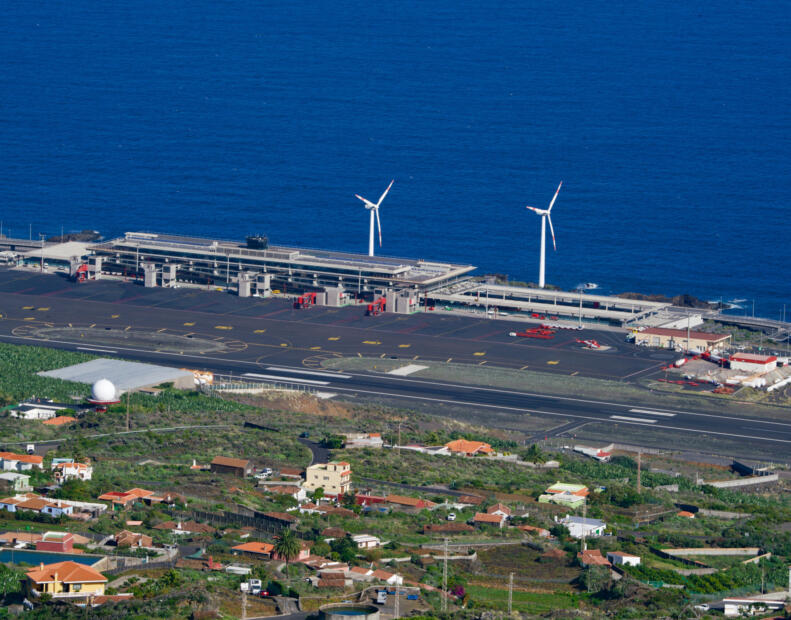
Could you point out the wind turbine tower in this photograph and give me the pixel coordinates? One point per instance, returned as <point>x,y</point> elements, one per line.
<point>545,216</point>
<point>374,209</point>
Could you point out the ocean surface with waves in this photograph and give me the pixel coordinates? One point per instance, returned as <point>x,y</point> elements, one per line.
<point>668,122</point>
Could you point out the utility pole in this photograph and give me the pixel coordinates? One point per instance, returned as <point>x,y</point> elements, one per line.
<point>127,411</point>
<point>399,436</point>
<point>397,610</point>
<point>244,605</point>
<point>445,578</point>
<point>510,592</point>
<point>584,519</point>
<point>639,463</point>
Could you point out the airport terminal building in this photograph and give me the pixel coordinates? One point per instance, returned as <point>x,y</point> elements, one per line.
<point>255,268</point>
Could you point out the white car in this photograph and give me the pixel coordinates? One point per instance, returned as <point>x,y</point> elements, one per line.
<point>451,516</point>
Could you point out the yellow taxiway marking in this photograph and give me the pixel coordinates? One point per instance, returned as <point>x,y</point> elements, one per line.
<point>333,338</point>
<point>404,346</point>
<point>382,355</point>
<point>92,325</point>
<point>114,316</point>
<point>371,342</point>
<point>283,344</point>
<point>70,325</point>
<point>29,318</point>
<point>553,362</point>
<point>27,307</point>
<point>159,331</point>
<point>523,368</point>
<point>315,348</point>
<point>479,353</point>
<point>482,363</point>
<point>127,328</point>
<point>223,327</point>
<point>359,355</point>
<point>417,356</point>
<point>189,334</point>
<point>259,331</point>
<point>574,373</point>
<point>448,362</point>
<point>43,309</point>
<point>189,324</point>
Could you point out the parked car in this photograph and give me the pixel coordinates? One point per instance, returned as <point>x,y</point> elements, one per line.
<point>451,516</point>
<point>381,597</point>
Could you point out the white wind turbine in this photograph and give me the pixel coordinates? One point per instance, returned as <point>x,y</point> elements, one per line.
<point>545,215</point>
<point>374,209</point>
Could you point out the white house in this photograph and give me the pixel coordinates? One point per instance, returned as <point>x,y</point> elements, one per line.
<point>37,410</point>
<point>580,527</point>
<point>366,541</point>
<point>71,470</point>
<point>623,559</point>
<point>363,440</point>
<point>10,461</point>
<point>18,483</point>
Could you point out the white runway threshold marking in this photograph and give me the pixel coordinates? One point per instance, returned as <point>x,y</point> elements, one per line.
<point>407,370</point>
<point>649,412</point>
<point>329,375</point>
<point>99,350</point>
<point>628,419</point>
<point>285,379</point>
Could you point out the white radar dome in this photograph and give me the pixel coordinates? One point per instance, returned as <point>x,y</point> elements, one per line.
<point>103,391</point>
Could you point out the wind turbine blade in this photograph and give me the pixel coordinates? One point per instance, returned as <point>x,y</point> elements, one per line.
<point>555,197</point>
<point>385,194</point>
<point>552,230</point>
<point>379,226</point>
<point>367,202</point>
<point>534,210</point>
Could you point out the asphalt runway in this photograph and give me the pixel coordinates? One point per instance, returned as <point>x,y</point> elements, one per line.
<point>272,331</point>
<point>268,341</point>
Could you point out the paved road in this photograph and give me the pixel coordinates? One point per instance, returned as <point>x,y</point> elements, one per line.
<point>277,348</point>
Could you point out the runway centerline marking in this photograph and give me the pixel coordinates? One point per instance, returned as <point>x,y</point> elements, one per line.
<point>373,342</point>
<point>650,412</point>
<point>628,419</point>
<point>226,327</point>
<point>308,372</point>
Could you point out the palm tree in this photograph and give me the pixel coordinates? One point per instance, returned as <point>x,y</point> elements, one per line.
<point>287,547</point>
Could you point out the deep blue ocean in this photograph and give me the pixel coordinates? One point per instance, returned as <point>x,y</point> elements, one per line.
<point>668,122</point>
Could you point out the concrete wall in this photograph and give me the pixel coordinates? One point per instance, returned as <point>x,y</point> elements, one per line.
<point>685,551</point>
<point>743,482</point>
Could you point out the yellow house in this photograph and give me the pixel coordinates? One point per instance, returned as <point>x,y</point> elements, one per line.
<point>335,478</point>
<point>66,580</point>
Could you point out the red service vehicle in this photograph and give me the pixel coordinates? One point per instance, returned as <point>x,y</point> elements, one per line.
<point>305,301</point>
<point>589,344</point>
<point>377,307</point>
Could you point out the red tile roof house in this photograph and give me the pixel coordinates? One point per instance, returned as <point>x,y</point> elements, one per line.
<point>500,510</point>
<point>532,529</point>
<point>360,573</point>
<point>482,518</point>
<point>124,499</point>
<point>402,502</point>
<point>468,448</point>
<point>592,557</point>
<point>389,578</point>
<point>186,527</point>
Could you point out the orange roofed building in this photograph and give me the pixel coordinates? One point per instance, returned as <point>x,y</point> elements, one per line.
<point>68,580</point>
<point>468,448</point>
